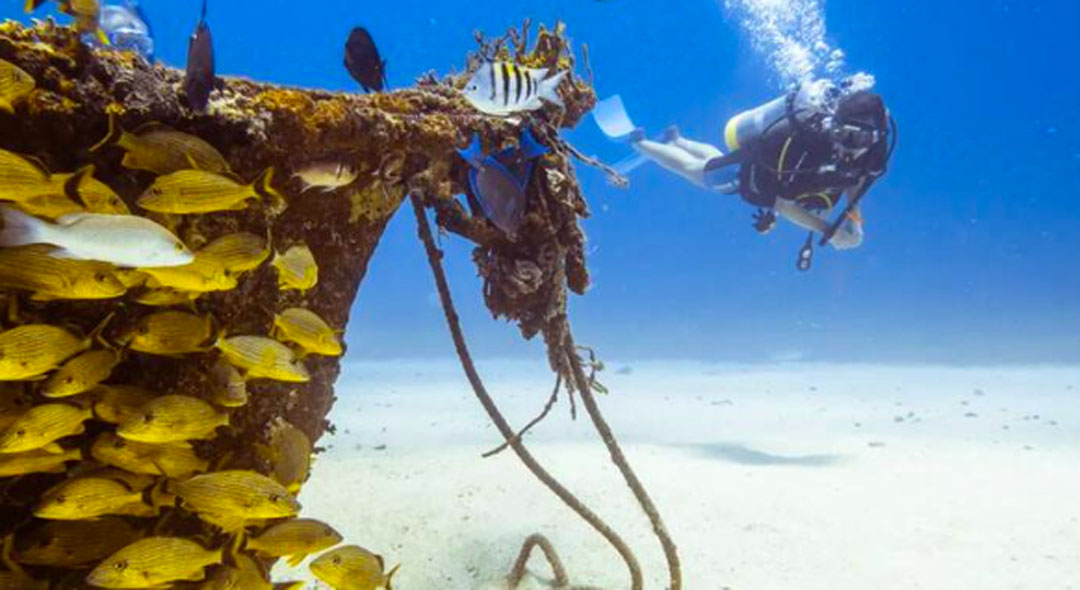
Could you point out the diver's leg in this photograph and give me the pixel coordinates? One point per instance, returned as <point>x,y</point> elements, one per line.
<point>674,159</point>
<point>697,148</point>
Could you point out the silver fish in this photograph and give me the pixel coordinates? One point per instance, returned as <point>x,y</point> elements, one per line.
<point>123,240</point>
<point>326,175</point>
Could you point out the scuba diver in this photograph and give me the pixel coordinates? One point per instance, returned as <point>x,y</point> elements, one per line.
<point>793,157</point>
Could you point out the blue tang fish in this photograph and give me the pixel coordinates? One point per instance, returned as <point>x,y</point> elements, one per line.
<point>498,180</point>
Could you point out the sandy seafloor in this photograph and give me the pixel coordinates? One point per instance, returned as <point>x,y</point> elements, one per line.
<point>794,477</point>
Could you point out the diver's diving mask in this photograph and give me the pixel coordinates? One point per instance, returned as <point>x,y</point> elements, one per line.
<point>853,139</point>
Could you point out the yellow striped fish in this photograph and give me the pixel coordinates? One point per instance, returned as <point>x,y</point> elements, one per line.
<point>15,85</point>
<point>153,562</point>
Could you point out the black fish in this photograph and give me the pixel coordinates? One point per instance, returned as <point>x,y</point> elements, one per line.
<point>363,61</point>
<point>199,79</point>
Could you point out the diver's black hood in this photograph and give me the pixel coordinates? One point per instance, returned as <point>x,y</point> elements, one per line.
<point>864,108</point>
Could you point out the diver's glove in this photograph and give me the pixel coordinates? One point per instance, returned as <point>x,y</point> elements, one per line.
<point>764,221</point>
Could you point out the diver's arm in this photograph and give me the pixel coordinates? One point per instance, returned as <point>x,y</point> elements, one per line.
<point>801,217</point>
<point>849,235</point>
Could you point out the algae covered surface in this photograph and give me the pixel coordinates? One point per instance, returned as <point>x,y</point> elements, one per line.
<point>400,143</point>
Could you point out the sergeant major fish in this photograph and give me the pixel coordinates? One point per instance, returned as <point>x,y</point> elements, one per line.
<point>502,88</point>
<point>123,240</point>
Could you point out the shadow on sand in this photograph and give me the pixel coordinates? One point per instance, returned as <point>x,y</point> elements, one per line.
<point>743,455</point>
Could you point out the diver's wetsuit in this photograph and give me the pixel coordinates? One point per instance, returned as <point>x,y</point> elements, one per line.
<point>789,162</point>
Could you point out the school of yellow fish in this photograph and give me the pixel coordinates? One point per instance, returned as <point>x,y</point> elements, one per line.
<point>122,456</point>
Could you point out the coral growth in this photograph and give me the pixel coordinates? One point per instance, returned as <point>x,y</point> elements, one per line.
<point>401,142</point>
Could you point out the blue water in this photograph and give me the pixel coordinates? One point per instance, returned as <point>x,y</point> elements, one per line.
<point>973,239</point>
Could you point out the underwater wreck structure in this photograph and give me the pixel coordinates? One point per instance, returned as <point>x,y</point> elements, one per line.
<point>402,144</point>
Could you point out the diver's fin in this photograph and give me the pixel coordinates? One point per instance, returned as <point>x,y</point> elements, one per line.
<point>630,163</point>
<point>611,117</point>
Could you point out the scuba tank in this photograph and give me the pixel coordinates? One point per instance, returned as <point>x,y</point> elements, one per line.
<point>802,103</point>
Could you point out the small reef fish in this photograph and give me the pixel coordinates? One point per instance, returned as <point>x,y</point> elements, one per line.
<point>31,268</point>
<point>176,460</point>
<point>161,149</point>
<point>200,191</point>
<point>166,297</point>
<point>363,61</point>
<point>289,453</point>
<point>71,544</point>
<point>15,85</point>
<point>229,498</point>
<point>127,28</point>
<point>22,178</point>
<point>42,425</point>
<point>263,357</point>
<point>498,181</point>
<point>295,538</point>
<point>85,12</point>
<point>173,418</point>
<point>116,403</point>
<point>227,387</point>
<point>37,461</point>
<point>123,240</point>
<point>239,252</point>
<point>307,329</point>
<point>202,275</point>
<point>50,207</point>
<point>244,575</point>
<point>95,195</point>
<point>31,350</point>
<point>199,77</point>
<point>297,269</point>
<point>154,562</point>
<point>171,333</point>
<point>353,568</point>
<point>502,88</point>
<point>85,498</point>
<point>326,175</point>
<point>81,374</point>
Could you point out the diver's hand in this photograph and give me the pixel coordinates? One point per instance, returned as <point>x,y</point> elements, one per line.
<point>850,235</point>
<point>764,221</point>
